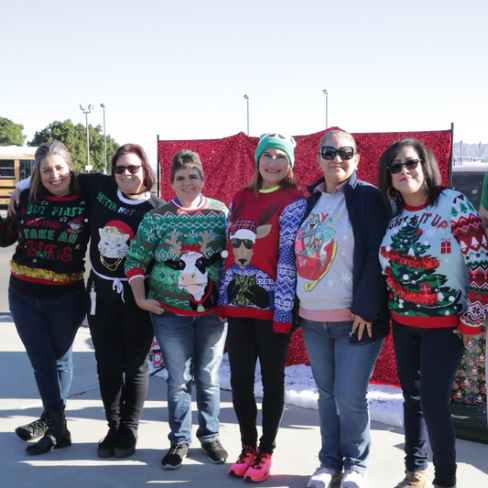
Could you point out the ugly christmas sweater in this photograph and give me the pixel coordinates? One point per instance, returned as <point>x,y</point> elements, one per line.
<point>184,247</point>
<point>52,237</point>
<point>114,222</point>
<point>259,273</point>
<point>435,260</point>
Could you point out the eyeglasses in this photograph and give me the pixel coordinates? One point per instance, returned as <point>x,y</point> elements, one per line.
<point>236,243</point>
<point>346,153</point>
<point>132,168</point>
<point>397,167</point>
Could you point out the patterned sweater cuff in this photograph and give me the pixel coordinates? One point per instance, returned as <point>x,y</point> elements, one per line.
<point>469,329</point>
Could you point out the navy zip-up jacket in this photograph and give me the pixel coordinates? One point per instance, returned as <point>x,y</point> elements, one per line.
<point>369,220</point>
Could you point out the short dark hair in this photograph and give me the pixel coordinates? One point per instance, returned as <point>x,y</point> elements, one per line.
<point>45,150</point>
<point>430,168</point>
<point>148,174</point>
<point>185,159</point>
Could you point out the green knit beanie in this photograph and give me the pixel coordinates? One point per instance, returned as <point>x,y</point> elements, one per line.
<point>285,143</point>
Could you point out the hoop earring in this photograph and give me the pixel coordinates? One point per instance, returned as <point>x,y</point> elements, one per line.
<point>393,194</point>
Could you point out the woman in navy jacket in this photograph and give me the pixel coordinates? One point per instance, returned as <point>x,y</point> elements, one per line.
<point>343,305</point>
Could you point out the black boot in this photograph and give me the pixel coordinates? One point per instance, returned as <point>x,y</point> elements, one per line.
<point>126,443</point>
<point>56,436</point>
<point>107,444</point>
<point>32,431</point>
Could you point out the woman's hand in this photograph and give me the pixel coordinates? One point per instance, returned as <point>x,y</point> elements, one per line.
<point>14,200</point>
<point>150,305</point>
<point>466,338</point>
<point>359,325</point>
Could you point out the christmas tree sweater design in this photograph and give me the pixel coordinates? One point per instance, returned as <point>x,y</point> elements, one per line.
<point>181,248</point>
<point>435,260</point>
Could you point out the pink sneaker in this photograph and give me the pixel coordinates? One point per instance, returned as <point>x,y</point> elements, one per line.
<point>260,468</point>
<point>246,457</point>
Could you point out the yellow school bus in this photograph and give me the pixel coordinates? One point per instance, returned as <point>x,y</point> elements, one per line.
<point>15,164</point>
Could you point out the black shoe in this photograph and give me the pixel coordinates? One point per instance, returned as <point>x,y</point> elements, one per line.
<point>32,431</point>
<point>56,436</point>
<point>107,444</point>
<point>174,457</point>
<point>126,443</point>
<point>215,452</point>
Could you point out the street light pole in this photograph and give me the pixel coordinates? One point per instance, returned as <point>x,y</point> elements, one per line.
<point>86,111</point>
<point>247,100</point>
<point>104,141</point>
<point>326,93</point>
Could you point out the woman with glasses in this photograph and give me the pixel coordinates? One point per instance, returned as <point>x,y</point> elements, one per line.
<point>122,333</point>
<point>257,295</point>
<point>342,306</point>
<point>434,256</point>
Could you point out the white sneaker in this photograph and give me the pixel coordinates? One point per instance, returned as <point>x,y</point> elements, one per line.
<point>323,478</point>
<point>353,479</point>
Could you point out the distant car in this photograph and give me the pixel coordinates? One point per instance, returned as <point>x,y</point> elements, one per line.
<point>468,179</point>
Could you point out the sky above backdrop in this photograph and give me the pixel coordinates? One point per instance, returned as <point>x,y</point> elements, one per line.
<point>180,68</point>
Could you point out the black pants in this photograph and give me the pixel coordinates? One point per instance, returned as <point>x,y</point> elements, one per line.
<point>247,340</point>
<point>122,335</point>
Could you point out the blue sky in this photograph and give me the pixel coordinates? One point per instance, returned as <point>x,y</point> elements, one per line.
<point>180,68</point>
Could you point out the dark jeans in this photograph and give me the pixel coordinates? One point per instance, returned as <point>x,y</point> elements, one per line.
<point>47,328</point>
<point>427,361</point>
<point>247,340</point>
<point>122,335</point>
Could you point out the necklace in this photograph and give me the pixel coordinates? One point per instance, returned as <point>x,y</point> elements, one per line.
<point>113,266</point>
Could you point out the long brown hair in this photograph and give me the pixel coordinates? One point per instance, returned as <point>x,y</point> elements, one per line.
<point>46,149</point>
<point>257,181</point>
<point>432,175</point>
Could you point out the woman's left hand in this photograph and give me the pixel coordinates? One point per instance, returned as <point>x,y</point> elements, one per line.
<point>466,338</point>
<point>360,324</point>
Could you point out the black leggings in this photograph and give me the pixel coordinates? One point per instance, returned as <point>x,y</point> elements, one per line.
<point>122,335</point>
<point>249,339</point>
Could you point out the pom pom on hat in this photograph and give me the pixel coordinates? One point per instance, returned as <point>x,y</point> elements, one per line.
<point>280,141</point>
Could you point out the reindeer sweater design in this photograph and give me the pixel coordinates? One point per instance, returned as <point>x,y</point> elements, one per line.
<point>259,273</point>
<point>183,246</point>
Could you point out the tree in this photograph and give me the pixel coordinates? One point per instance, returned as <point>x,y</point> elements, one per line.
<point>74,138</point>
<point>11,133</point>
<point>413,276</point>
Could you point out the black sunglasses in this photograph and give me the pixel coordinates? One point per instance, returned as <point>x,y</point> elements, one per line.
<point>397,167</point>
<point>236,243</point>
<point>346,153</point>
<point>132,168</point>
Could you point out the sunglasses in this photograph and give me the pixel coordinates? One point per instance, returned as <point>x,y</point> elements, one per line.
<point>397,167</point>
<point>346,153</point>
<point>132,168</point>
<point>236,243</point>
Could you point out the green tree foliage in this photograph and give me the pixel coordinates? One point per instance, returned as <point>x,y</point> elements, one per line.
<point>74,138</point>
<point>11,133</point>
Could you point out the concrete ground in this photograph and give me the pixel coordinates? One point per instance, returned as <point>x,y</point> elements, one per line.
<point>78,466</point>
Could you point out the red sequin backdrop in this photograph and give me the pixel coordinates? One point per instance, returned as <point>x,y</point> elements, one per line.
<point>229,165</point>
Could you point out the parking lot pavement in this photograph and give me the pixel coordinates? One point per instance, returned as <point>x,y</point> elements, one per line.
<point>294,461</point>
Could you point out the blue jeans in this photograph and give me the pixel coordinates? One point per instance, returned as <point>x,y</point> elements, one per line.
<point>342,371</point>
<point>47,328</point>
<point>427,361</point>
<point>192,347</point>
